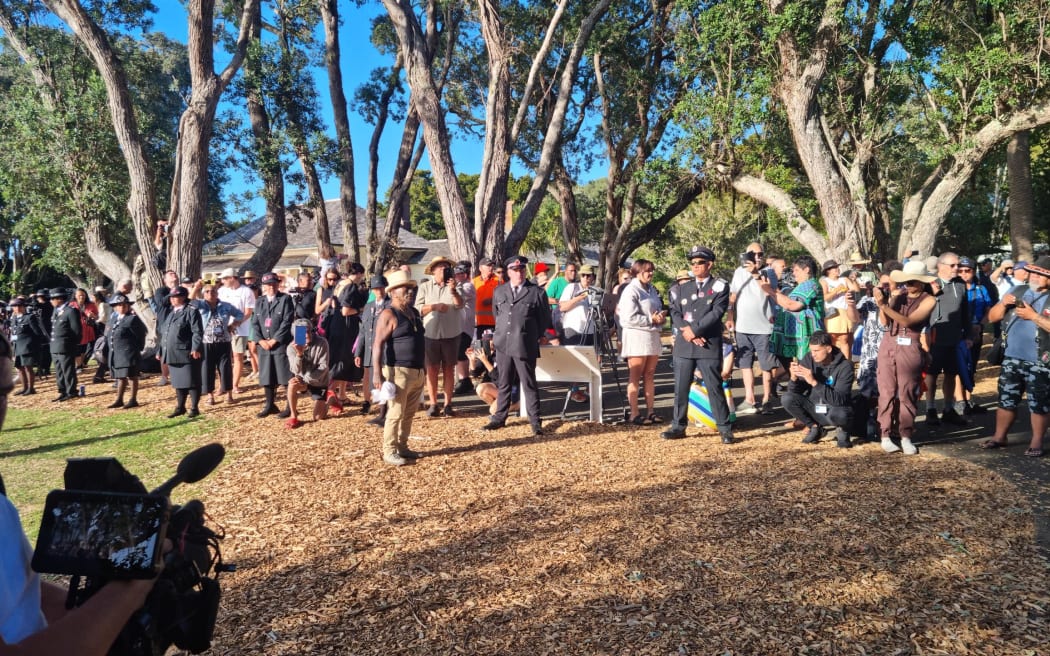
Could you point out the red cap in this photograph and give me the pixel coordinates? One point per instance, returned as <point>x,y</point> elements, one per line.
<point>541,267</point>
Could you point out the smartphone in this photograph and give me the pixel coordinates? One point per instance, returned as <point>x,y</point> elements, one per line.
<point>1020,303</point>
<point>300,335</point>
<point>102,534</point>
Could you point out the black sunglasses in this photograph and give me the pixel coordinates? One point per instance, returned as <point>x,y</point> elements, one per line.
<point>699,262</point>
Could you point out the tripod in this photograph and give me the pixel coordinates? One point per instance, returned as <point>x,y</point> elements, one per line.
<point>598,329</point>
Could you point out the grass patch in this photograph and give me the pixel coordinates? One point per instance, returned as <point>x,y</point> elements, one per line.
<point>34,446</point>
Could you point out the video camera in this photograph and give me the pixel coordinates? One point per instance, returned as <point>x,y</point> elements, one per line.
<point>105,526</point>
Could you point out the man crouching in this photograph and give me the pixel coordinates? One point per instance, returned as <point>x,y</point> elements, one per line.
<point>308,361</point>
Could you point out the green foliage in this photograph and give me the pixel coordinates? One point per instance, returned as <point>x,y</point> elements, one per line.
<point>425,209</point>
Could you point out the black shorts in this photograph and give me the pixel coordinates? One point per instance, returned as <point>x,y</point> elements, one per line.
<point>464,344</point>
<point>317,393</point>
<point>944,359</point>
<point>25,361</point>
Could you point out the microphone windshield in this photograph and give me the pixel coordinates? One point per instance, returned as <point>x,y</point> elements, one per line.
<point>199,463</point>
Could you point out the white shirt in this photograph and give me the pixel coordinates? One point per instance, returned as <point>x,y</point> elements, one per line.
<point>242,298</point>
<point>20,614</point>
<point>577,320</point>
<point>754,309</point>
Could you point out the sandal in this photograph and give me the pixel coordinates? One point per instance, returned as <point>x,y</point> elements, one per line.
<point>655,418</point>
<point>992,444</point>
<point>1034,453</point>
<point>640,421</point>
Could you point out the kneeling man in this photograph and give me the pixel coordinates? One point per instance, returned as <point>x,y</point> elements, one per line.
<point>819,392</point>
<point>308,363</point>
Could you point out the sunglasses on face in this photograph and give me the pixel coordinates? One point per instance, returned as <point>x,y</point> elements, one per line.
<point>965,270</point>
<point>758,253</point>
<point>699,262</point>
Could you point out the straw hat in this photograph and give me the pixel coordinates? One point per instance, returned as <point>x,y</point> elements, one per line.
<point>682,275</point>
<point>913,271</point>
<point>440,259</point>
<point>856,258</point>
<point>398,279</point>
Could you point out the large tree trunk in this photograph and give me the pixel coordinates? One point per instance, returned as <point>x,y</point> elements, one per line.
<point>347,192</point>
<point>267,148</point>
<point>1022,197</point>
<point>490,200</point>
<point>375,264</point>
<point>142,206</point>
<point>109,263</point>
<point>398,216</point>
<point>189,207</point>
<point>427,100</point>
<point>570,219</point>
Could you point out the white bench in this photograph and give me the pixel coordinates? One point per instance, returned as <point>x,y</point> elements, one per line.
<point>571,364</point>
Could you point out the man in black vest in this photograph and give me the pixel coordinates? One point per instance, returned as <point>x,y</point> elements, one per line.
<point>65,344</point>
<point>697,315</point>
<point>523,316</point>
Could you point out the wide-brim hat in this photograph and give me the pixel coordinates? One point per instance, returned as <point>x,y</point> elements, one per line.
<point>270,278</point>
<point>228,272</point>
<point>248,274</point>
<point>586,269</point>
<point>682,275</point>
<point>377,282</point>
<point>42,292</point>
<point>440,259</point>
<point>913,271</point>
<point>16,301</point>
<point>119,299</point>
<point>398,279</point>
<point>830,264</point>
<point>58,292</point>
<point>856,258</point>
<point>1041,266</point>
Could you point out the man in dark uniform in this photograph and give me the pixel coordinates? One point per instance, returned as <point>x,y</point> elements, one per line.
<point>42,307</point>
<point>523,316</point>
<point>65,344</point>
<point>697,316</point>
<point>272,320</point>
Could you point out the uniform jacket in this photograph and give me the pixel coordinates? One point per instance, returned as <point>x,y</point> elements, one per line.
<point>701,307</point>
<point>65,331</point>
<point>273,319</point>
<point>27,333</point>
<point>126,337</point>
<point>834,381</point>
<point>183,333</point>
<point>520,322</point>
<point>368,329</point>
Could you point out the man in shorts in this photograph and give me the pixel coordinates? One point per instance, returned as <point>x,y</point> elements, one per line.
<point>949,324</point>
<point>1025,313</point>
<point>750,316</point>
<point>310,373</point>
<point>438,300</point>
<point>467,317</point>
<point>243,298</point>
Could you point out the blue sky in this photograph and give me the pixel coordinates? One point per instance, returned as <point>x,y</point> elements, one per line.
<point>359,58</point>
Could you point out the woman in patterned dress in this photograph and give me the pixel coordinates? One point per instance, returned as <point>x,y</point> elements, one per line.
<point>802,312</point>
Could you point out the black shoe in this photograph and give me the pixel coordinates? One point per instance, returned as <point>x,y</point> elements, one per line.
<point>931,418</point>
<point>673,434</point>
<point>410,454</point>
<point>61,398</point>
<point>463,386</point>
<point>814,434</point>
<point>131,404</point>
<point>493,425</point>
<point>98,380</point>
<point>31,390</point>
<point>284,414</point>
<point>378,420</point>
<point>952,417</point>
<point>267,411</point>
<point>727,437</point>
<point>975,409</point>
<point>432,411</point>
<point>116,404</point>
<point>842,439</point>
<point>365,407</point>
<point>22,393</point>
<point>178,412</point>
<point>194,412</point>
<point>537,430</point>
<point>447,411</point>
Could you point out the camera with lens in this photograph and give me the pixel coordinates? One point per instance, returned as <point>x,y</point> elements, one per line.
<point>105,526</point>
<point>594,295</point>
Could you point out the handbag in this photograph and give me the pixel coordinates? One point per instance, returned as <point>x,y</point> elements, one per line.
<point>997,352</point>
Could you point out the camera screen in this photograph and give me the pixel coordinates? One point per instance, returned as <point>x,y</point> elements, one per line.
<point>101,534</point>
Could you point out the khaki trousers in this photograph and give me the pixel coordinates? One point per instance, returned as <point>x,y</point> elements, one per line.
<point>400,409</point>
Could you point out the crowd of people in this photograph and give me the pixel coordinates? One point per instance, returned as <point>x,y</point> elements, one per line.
<point>907,324</point>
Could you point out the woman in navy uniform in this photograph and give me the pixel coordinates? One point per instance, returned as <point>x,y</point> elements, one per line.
<point>697,315</point>
<point>65,344</point>
<point>125,339</point>
<point>27,334</point>
<point>182,346</point>
<point>272,327</point>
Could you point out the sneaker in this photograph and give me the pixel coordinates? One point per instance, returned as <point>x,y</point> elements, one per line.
<point>378,420</point>
<point>162,382</point>
<point>745,408</point>
<point>395,460</point>
<point>768,408</point>
<point>907,447</point>
<point>931,418</point>
<point>410,454</point>
<point>813,436</point>
<point>889,446</point>
<point>952,417</point>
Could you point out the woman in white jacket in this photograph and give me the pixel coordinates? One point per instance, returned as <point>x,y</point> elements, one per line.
<point>641,316</point>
